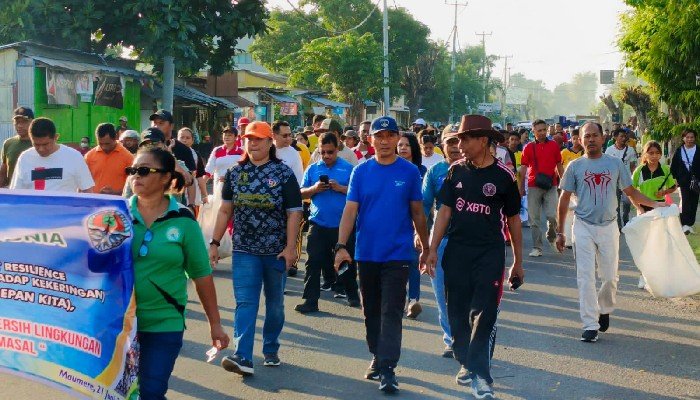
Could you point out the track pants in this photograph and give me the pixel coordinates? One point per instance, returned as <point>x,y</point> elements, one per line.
<point>473,288</point>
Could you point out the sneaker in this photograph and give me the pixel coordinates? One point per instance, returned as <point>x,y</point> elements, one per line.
<point>292,271</point>
<point>481,389</point>
<point>589,336</point>
<point>354,303</point>
<point>604,321</point>
<point>238,365</point>
<point>536,253</point>
<point>271,360</point>
<point>372,372</point>
<point>388,383</point>
<point>464,377</point>
<point>414,309</point>
<point>340,295</point>
<point>306,308</point>
<point>686,229</point>
<point>448,353</point>
<point>642,282</point>
<point>326,287</point>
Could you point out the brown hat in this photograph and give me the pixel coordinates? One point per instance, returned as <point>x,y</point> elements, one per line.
<point>475,126</point>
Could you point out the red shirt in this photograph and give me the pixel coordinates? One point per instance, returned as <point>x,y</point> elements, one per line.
<point>548,156</point>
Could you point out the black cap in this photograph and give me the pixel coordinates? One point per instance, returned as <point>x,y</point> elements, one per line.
<point>23,112</point>
<point>162,114</point>
<point>152,135</point>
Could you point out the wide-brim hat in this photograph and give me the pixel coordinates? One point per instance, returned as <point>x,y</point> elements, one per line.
<point>475,126</point>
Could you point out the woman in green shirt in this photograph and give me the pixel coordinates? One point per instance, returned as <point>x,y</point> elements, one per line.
<point>168,247</point>
<point>653,179</point>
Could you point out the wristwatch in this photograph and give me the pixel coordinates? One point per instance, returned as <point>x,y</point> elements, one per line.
<point>339,246</point>
<point>215,242</point>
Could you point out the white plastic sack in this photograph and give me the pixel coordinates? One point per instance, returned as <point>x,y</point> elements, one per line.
<point>662,253</point>
<point>207,220</point>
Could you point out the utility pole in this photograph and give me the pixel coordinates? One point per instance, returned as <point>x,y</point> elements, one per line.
<point>454,60</point>
<point>505,87</point>
<point>483,65</point>
<point>387,101</point>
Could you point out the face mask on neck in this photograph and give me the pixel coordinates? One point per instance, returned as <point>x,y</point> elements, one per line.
<point>84,145</point>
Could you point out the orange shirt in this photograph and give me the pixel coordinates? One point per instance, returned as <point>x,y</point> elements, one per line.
<point>108,169</point>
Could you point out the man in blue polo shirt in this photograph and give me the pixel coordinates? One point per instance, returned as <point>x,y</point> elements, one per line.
<point>326,184</point>
<point>385,202</point>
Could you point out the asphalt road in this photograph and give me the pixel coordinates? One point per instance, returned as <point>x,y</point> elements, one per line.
<point>652,350</point>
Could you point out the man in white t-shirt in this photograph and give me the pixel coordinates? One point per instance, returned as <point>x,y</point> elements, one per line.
<point>282,136</point>
<point>331,125</point>
<point>49,165</point>
<point>620,149</point>
<point>427,146</point>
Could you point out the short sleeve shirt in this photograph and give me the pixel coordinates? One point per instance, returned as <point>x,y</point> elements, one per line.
<point>595,183</point>
<point>541,157</point>
<point>261,196</point>
<point>11,149</point>
<point>107,169</point>
<point>480,199</point>
<point>64,170</point>
<point>628,155</point>
<point>649,183</point>
<point>327,206</point>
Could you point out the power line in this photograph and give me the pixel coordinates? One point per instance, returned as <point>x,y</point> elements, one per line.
<point>332,31</point>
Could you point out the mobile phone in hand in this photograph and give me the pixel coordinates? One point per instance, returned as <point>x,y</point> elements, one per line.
<point>324,179</point>
<point>515,283</point>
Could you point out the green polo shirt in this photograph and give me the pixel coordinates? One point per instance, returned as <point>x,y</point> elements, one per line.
<point>649,183</point>
<point>11,149</point>
<point>176,251</point>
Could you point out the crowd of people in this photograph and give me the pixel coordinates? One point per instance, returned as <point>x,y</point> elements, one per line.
<point>374,202</point>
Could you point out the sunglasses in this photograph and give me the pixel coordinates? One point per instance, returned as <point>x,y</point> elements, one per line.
<point>147,237</point>
<point>142,171</point>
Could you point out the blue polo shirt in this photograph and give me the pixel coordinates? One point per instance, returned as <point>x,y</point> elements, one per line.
<point>384,224</point>
<point>327,207</point>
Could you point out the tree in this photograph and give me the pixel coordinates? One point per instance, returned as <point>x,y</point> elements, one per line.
<point>420,78</point>
<point>347,66</point>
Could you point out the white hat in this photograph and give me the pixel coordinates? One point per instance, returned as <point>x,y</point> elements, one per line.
<point>129,133</point>
<point>420,121</point>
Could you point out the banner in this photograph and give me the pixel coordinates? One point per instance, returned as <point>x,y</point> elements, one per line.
<point>289,109</point>
<point>60,88</point>
<point>67,308</point>
<point>83,85</point>
<point>109,92</point>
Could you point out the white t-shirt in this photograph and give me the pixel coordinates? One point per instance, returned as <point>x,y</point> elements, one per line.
<point>346,154</point>
<point>291,158</point>
<point>432,160</point>
<point>688,160</point>
<point>63,171</point>
<point>630,156</point>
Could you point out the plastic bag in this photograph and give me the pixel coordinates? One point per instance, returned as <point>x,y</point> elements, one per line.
<point>207,220</point>
<point>662,253</point>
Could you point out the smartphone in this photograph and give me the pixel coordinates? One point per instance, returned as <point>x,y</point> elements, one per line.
<point>343,268</point>
<point>515,283</point>
<point>324,179</point>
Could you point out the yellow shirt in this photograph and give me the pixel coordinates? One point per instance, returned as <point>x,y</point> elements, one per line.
<point>439,151</point>
<point>305,155</point>
<point>313,142</point>
<point>568,156</point>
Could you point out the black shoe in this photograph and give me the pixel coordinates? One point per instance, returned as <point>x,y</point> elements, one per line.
<point>388,383</point>
<point>292,271</point>
<point>589,336</point>
<point>271,360</point>
<point>372,372</point>
<point>326,287</point>
<point>604,321</point>
<point>306,308</point>
<point>238,365</point>
<point>448,353</point>
<point>354,303</point>
<point>340,294</point>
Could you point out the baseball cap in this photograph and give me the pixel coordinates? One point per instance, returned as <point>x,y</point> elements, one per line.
<point>331,125</point>
<point>258,129</point>
<point>351,133</point>
<point>129,134</point>
<point>230,129</point>
<point>243,121</point>
<point>308,129</point>
<point>123,119</point>
<point>384,123</point>
<point>23,112</point>
<point>162,114</point>
<point>420,121</point>
<point>151,135</point>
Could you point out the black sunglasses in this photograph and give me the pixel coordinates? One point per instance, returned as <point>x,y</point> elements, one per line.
<point>142,171</point>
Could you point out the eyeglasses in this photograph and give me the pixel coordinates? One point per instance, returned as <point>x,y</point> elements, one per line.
<point>147,237</point>
<point>142,171</point>
<point>329,152</point>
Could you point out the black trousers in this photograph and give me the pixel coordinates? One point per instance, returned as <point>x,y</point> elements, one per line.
<point>383,288</point>
<point>473,289</point>
<point>319,247</point>
<point>689,206</point>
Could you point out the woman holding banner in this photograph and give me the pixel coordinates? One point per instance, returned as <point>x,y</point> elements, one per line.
<point>167,247</point>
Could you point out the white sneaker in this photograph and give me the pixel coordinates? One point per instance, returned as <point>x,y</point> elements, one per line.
<point>687,229</point>
<point>536,253</point>
<point>642,282</point>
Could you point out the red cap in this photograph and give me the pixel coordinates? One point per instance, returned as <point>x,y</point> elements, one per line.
<point>243,121</point>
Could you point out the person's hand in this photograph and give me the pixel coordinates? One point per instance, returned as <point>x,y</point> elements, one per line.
<point>289,254</point>
<point>334,185</point>
<point>423,257</point>
<point>205,198</point>
<point>320,187</point>
<point>428,267</point>
<point>416,243</point>
<point>341,256</point>
<point>107,190</point>
<point>660,194</point>
<point>516,271</point>
<point>219,338</point>
<point>659,204</point>
<point>561,242</point>
<point>213,255</point>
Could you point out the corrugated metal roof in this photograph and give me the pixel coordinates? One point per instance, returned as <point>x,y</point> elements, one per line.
<point>327,102</point>
<point>282,98</point>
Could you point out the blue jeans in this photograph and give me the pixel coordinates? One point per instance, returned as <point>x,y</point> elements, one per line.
<point>158,352</point>
<point>439,290</point>
<point>250,274</point>
<point>414,279</point>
